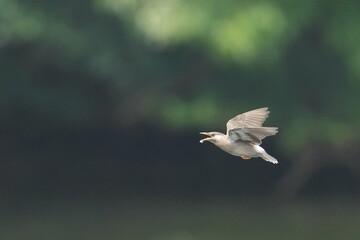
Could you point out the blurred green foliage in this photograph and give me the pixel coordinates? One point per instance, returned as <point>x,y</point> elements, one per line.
<point>185,64</point>
<point>103,99</point>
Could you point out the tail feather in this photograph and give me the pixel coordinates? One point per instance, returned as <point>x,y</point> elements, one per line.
<point>264,155</point>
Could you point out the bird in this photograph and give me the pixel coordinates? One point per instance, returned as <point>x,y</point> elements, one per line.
<point>243,135</point>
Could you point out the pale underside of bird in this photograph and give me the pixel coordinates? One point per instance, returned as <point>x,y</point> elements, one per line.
<point>244,134</point>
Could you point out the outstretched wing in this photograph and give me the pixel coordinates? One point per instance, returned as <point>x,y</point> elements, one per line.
<point>253,135</point>
<point>251,119</point>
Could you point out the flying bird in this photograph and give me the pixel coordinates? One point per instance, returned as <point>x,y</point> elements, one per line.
<point>244,134</point>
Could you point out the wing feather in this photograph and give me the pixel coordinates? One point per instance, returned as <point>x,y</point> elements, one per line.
<point>253,135</point>
<point>251,119</point>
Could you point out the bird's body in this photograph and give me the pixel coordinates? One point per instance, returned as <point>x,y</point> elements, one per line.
<point>244,135</point>
<point>241,149</point>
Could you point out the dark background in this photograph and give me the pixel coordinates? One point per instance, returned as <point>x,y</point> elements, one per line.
<point>101,104</point>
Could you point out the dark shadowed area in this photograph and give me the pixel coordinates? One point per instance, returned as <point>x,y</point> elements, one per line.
<point>102,102</point>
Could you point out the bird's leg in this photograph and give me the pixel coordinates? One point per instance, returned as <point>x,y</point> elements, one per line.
<point>245,157</point>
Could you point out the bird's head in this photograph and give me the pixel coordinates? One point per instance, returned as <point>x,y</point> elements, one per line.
<point>213,137</point>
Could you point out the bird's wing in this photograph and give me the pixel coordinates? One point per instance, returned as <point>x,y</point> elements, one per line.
<point>243,135</point>
<point>253,135</point>
<point>251,119</point>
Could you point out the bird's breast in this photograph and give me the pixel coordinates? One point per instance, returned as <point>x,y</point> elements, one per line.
<point>239,148</point>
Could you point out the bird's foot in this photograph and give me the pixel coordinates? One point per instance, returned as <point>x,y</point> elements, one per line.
<point>245,157</point>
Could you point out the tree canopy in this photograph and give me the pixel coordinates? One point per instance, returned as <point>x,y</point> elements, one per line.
<point>183,64</point>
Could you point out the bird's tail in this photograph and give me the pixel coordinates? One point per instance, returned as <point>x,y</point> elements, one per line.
<point>264,155</point>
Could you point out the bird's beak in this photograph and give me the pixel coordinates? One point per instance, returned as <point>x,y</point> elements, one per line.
<point>205,139</point>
